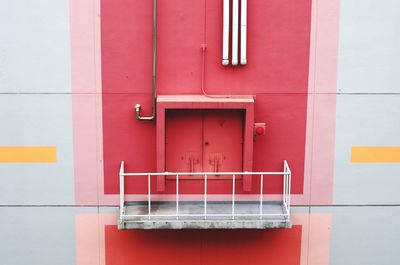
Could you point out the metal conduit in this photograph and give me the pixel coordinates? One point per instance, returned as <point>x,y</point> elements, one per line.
<point>154,75</point>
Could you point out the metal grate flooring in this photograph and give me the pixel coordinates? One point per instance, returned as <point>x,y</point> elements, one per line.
<point>246,216</point>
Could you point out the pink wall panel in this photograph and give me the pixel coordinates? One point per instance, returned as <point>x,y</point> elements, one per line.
<point>285,117</point>
<point>179,37</point>
<point>278,49</point>
<point>126,26</point>
<point>308,242</point>
<point>278,59</point>
<point>126,38</point>
<point>125,139</point>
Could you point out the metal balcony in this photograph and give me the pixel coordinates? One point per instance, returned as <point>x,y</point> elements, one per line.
<point>262,211</point>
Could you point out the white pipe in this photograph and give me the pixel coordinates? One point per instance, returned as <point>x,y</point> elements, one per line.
<point>225,34</point>
<point>243,33</point>
<point>235,31</point>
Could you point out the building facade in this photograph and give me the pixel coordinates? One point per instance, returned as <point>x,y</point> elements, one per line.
<point>325,80</point>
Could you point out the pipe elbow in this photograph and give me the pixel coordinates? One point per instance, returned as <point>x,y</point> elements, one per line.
<point>140,118</point>
<point>137,111</point>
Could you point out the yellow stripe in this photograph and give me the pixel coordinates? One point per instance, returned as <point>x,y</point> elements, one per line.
<point>28,154</point>
<point>375,154</point>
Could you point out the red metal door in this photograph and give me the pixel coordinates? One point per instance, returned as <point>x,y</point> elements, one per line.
<point>204,140</point>
<point>183,141</point>
<point>222,140</point>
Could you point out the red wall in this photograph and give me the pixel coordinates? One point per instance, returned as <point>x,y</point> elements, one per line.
<point>255,247</point>
<point>276,73</point>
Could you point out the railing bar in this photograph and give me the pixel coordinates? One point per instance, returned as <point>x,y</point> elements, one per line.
<point>208,215</point>
<point>284,186</point>
<point>205,196</point>
<point>149,195</point>
<point>121,190</point>
<point>287,188</point>
<point>201,173</point>
<point>177,196</point>
<point>288,168</point>
<point>287,210</point>
<point>261,194</point>
<point>233,196</point>
<point>189,220</point>
<point>287,183</point>
<point>288,202</point>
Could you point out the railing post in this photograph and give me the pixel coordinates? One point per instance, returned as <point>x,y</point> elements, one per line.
<point>288,192</point>
<point>177,196</point>
<point>205,196</point>
<point>121,190</point>
<point>233,196</point>
<point>287,184</point>
<point>149,196</point>
<point>261,194</point>
<point>284,184</point>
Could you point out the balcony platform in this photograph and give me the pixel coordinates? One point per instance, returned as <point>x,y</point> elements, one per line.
<point>205,213</point>
<point>163,215</point>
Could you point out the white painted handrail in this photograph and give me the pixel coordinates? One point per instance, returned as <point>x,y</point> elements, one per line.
<point>286,176</point>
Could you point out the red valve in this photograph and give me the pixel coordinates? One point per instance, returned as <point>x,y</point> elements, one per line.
<point>259,130</point>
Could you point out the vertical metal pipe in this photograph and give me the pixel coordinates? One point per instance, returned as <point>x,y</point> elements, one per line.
<point>154,72</point>
<point>177,196</point>
<point>235,31</point>
<point>149,196</point>
<point>225,34</point>
<point>154,68</point>
<point>233,196</point>
<point>243,32</point>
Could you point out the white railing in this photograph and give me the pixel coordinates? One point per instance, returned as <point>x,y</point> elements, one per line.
<point>286,176</point>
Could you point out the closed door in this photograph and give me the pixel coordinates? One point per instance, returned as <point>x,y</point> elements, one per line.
<point>204,141</point>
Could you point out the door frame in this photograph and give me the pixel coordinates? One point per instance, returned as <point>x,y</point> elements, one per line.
<point>245,103</point>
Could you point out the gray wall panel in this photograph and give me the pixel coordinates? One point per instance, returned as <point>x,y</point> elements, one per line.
<point>35,46</point>
<point>38,235</point>
<point>369,41</point>
<point>366,120</point>
<point>37,120</point>
<point>364,235</point>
